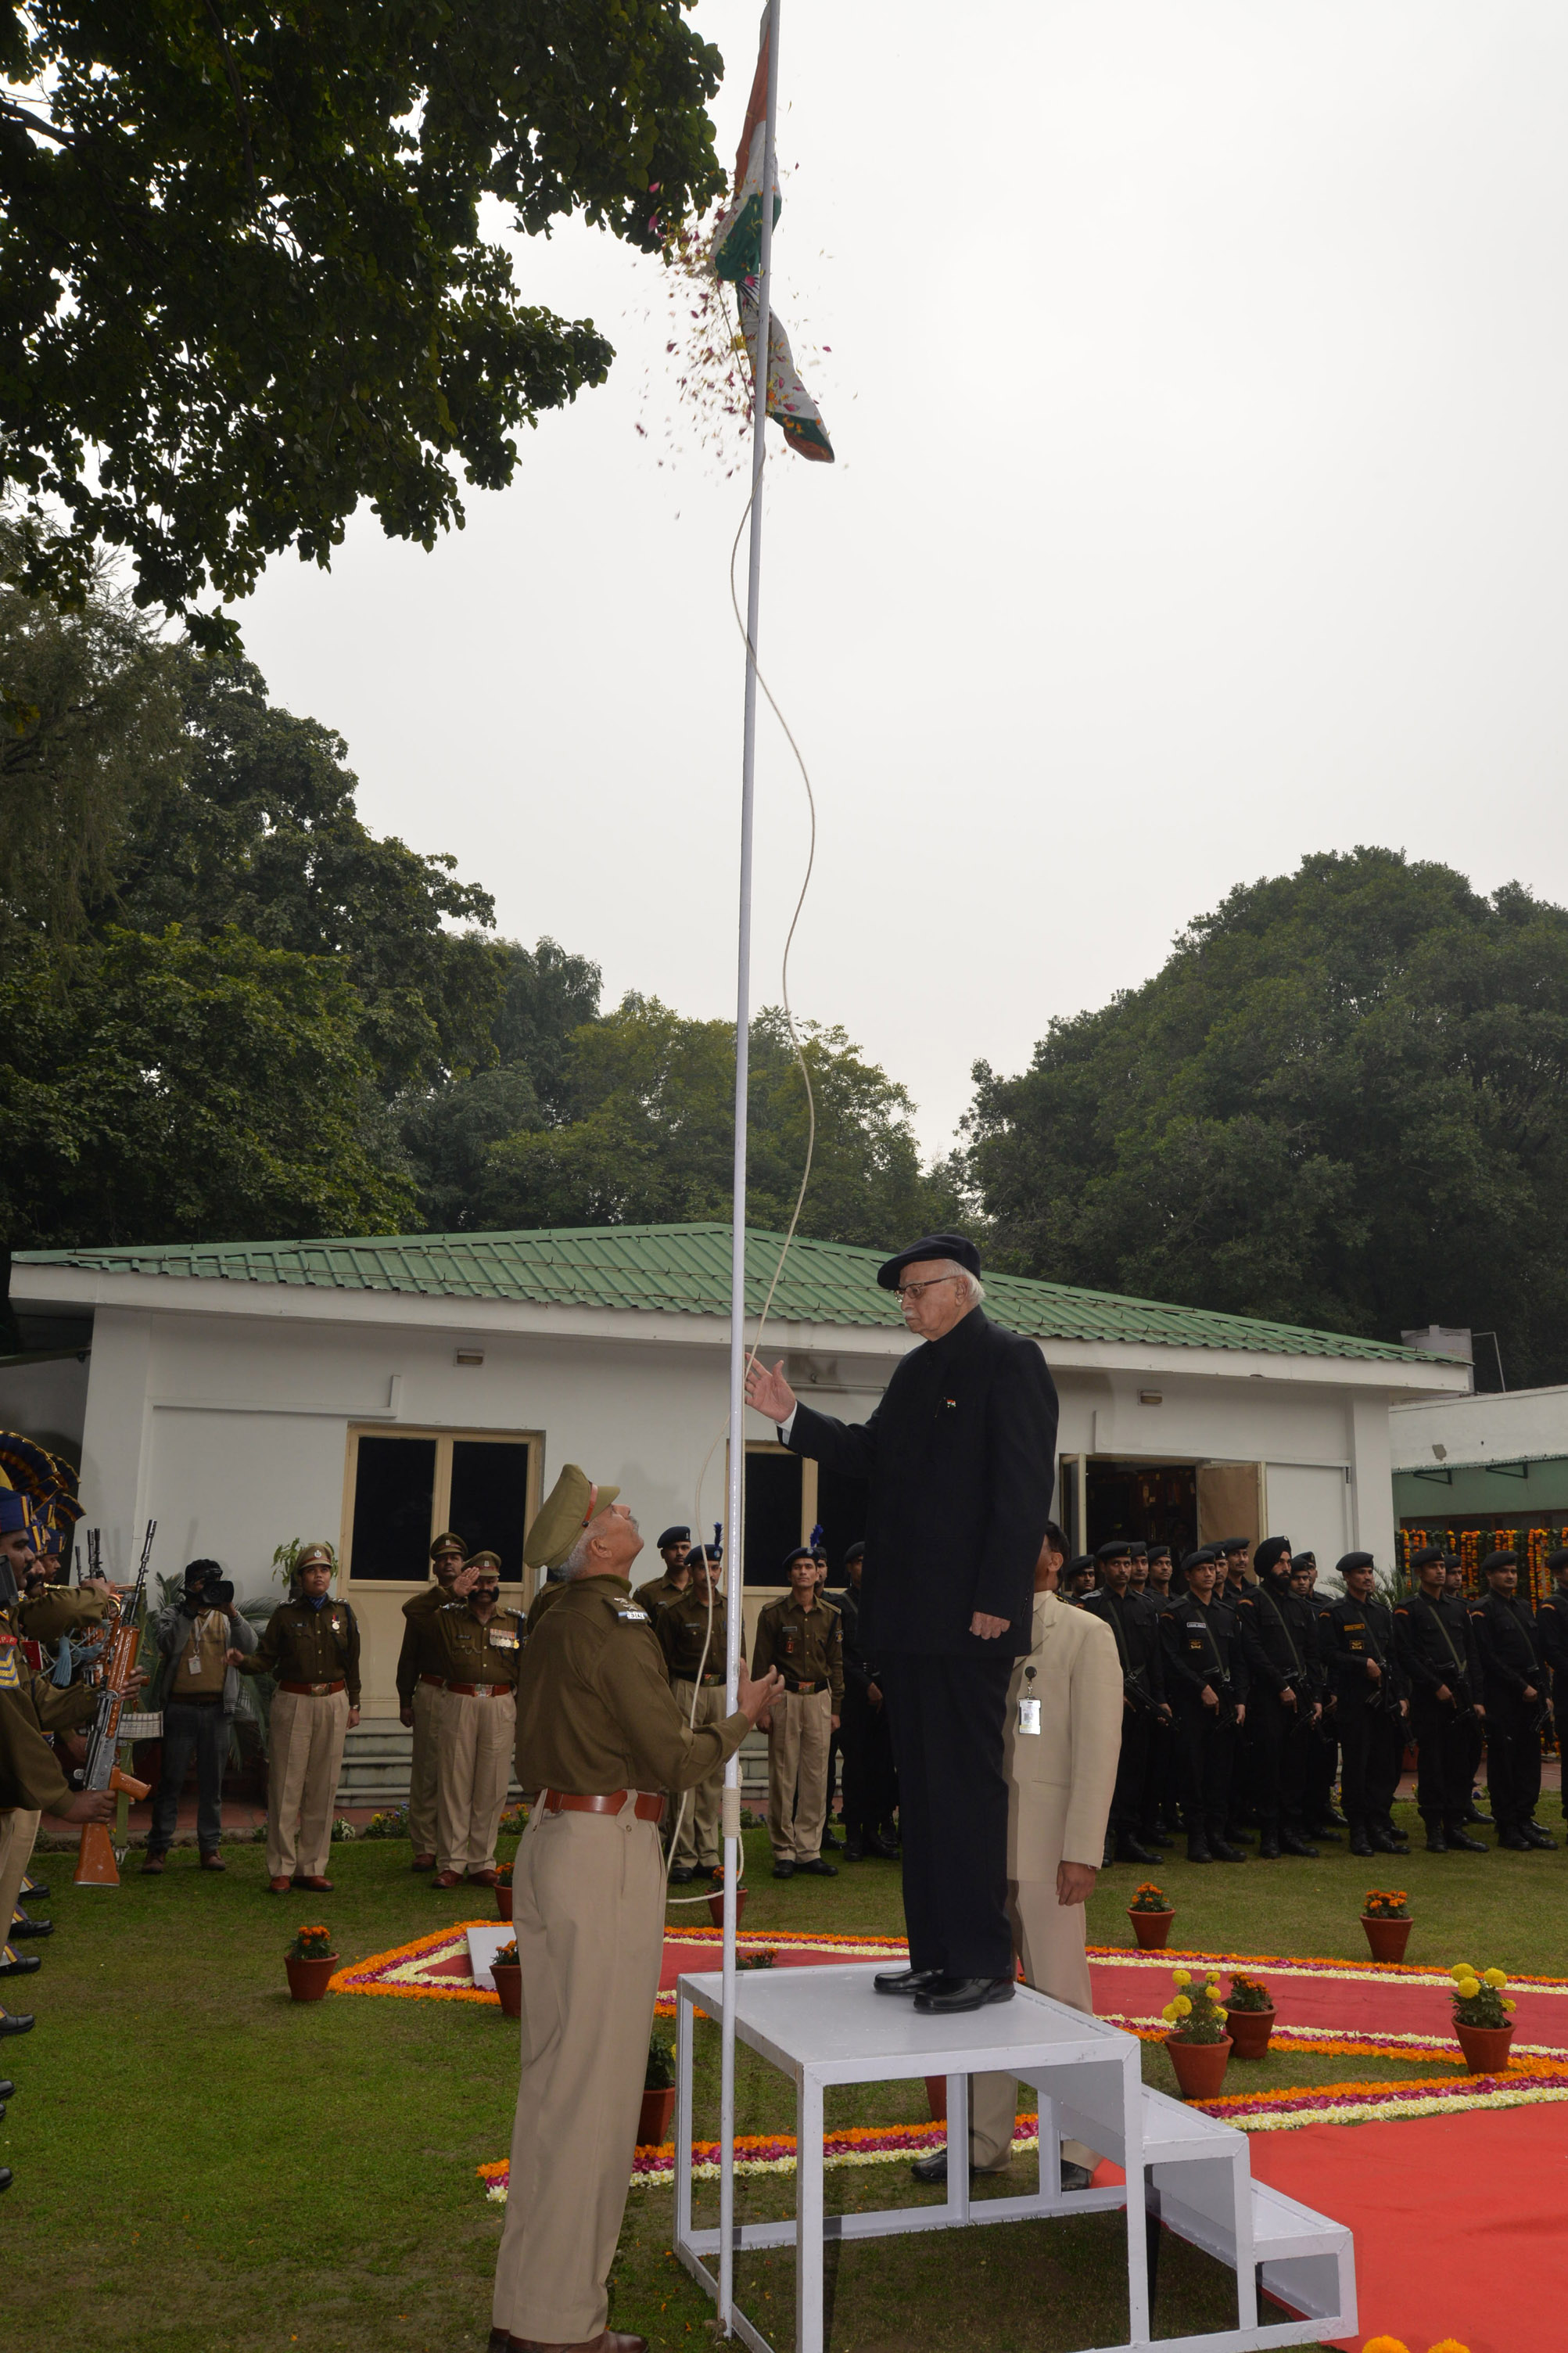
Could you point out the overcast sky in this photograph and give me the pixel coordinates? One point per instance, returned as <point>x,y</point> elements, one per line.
<point>1199,380</point>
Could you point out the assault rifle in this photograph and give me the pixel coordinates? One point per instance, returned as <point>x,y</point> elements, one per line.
<point>96,1865</point>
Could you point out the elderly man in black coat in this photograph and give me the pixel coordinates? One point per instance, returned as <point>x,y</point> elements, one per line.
<point>960,1457</point>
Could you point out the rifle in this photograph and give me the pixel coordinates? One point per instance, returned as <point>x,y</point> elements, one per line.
<point>95,1865</point>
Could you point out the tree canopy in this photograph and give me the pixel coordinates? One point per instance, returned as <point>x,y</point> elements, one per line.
<point>248,277</point>
<point>1339,1103</point>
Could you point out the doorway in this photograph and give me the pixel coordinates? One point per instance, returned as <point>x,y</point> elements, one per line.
<point>1147,1502</point>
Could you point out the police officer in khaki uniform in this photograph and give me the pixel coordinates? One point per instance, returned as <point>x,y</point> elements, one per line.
<point>695,1651</point>
<point>421,1675</point>
<point>801,1636</point>
<point>311,1645</point>
<point>673,1549</point>
<point>599,1739</point>
<point>476,1727</point>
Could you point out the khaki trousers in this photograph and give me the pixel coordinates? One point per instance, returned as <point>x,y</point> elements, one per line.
<point>474,1739</point>
<point>305,1741</point>
<point>1050,1941</point>
<point>422,1772</point>
<point>697,1837</point>
<point>587,1906</point>
<point>19,1828</point>
<point>798,1774</point>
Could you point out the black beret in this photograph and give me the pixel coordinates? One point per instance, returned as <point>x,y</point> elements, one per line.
<point>801,1552</point>
<point>1159,1552</point>
<point>1350,1561</point>
<point>1499,1560</point>
<point>705,1552</point>
<point>1232,1545</point>
<point>1204,1557</point>
<point>952,1246</point>
<point>1270,1554</point>
<point>1556,1560</point>
<point>1139,1551</point>
<point>673,1537</point>
<point>1426,1557</point>
<point>857,1552</point>
<point>1303,1560</point>
<point>1117,1549</point>
<point>1078,1563</point>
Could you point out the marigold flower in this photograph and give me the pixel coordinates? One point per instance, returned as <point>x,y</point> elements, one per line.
<point>1508,2005</point>
<point>1469,1988</point>
<point>1181,2006</point>
<point>1170,2013</point>
<point>1494,1978</point>
<point>1182,1977</point>
<point>1389,2345</point>
<point>1461,1969</point>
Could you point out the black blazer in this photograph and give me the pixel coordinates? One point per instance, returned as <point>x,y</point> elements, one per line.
<point>961,1459</point>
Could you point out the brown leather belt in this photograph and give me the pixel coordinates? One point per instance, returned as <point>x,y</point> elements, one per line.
<point>806,1690</point>
<point>439,1682</point>
<point>480,1691</point>
<point>312,1691</point>
<point>649,1805</point>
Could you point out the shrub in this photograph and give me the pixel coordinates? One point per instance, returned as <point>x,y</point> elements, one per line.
<point>312,1945</point>
<point>1149,1898</point>
<point>1386,1903</point>
<point>660,2072</point>
<point>1195,2017</point>
<point>1478,1996</point>
<point>1247,1993</point>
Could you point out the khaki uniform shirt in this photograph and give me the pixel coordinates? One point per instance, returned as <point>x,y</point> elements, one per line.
<point>304,1645</point>
<point>661,1593</point>
<point>57,1610</point>
<point>541,1601</point>
<point>475,1654</point>
<point>595,1710</point>
<point>29,1776</point>
<point>806,1645</point>
<point>422,1654</point>
<point>682,1630</point>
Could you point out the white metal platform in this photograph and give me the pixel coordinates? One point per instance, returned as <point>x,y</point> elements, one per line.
<point>822,2026</point>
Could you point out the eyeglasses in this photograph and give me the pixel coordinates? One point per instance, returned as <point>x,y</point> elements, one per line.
<point>913,1290</point>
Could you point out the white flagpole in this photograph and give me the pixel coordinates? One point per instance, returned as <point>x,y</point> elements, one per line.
<point>734,1531</point>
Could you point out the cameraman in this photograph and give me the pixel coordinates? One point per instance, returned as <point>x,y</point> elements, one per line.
<point>200,1692</point>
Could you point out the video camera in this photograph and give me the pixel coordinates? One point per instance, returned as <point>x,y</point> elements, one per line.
<point>206,1587</point>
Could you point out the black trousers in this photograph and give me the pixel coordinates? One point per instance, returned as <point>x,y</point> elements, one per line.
<point>871,1779</point>
<point>1279,1742</point>
<point>1514,1759</point>
<point>948,1718</point>
<point>1372,1745</point>
<point>1207,1748</point>
<point>1163,1777</point>
<point>1442,1747</point>
<point>1132,1772</point>
<point>205,1729</point>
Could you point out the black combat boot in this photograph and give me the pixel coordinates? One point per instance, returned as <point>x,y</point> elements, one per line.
<point>1198,1847</point>
<point>1435,1842</point>
<point>1458,1835</point>
<point>1361,1840</point>
<point>1294,1843</point>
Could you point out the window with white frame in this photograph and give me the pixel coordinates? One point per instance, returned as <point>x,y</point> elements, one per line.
<point>406,1486</point>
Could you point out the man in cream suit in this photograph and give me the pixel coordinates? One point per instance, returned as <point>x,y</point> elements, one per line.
<point>1061,1780</point>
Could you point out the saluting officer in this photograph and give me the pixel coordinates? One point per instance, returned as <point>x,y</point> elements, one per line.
<point>1134,1625</point>
<point>693,1636</point>
<point>1279,1636</point>
<point>674,1548</point>
<point>421,1677</point>
<point>1206,1681</point>
<point>1435,1649</point>
<point>476,1725</point>
<point>1552,1626</point>
<point>1358,1635</point>
<point>870,1777</point>
<point>802,1636</point>
<point>1513,1680</point>
<point>311,1645</point>
<point>599,1738</point>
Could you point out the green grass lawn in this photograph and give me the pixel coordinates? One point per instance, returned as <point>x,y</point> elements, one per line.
<point>203,2164</point>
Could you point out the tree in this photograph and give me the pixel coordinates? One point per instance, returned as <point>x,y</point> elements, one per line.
<point>650,1135</point>
<point>1338,1104</point>
<point>178,1089</point>
<point>244,279</point>
<point>260,834</point>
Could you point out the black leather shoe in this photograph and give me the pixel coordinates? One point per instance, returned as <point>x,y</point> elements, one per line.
<point>1515,1840</point>
<point>950,1994</point>
<point>1458,1835</point>
<point>1473,1813</point>
<point>7,2177</point>
<point>1532,1831</point>
<point>783,1871</point>
<point>1384,1842</point>
<point>1324,1835</point>
<point>887,1848</point>
<point>1197,1849</point>
<point>934,2169</point>
<point>500,2338</point>
<point>1222,1850</point>
<point>854,1850</point>
<point>16,2021</point>
<point>33,1887</point>
<point>831,1845</point>
<point>1334,1820</point>
<point>1291,1842</point>
<point>683,1874</point>
<point>1075,2177</point>
<point>22,1926</point>
<point>8,2089</point>
<point>1435,1842</point>
<point>1268,1848</point>
<point>1360,1841</point>
<point>906,1980</point>
<point>1131,1850</point>
<point>819,1869</point>
<point>19,1964</point>
<point>1154,1838</point>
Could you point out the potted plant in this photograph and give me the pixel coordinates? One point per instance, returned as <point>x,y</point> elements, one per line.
<point>1150,1913</point>
<point>1198,2044</point>
<point>657,2095</point>
<point>1250,2014</point>
<point>1482,2019</point>
<point>1386,1919</point>
<point>507,1971</point>
<point>716,1900</point>
<point>310,1961</point>
<point>503,1892</point>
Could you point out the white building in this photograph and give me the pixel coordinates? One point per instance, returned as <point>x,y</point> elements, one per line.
<point>376,1391</point>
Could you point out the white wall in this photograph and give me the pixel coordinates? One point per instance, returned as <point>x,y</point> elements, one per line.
<point>1480,1428</point>
<point>46,1401</point>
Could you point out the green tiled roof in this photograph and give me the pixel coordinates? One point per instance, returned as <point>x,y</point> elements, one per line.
<point>687,1269</point>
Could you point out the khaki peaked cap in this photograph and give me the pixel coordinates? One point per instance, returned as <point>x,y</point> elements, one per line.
<point>565,1511</point>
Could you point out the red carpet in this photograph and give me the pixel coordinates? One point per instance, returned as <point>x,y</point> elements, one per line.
<point>1459,2222</point>
<point>1339,1996</point>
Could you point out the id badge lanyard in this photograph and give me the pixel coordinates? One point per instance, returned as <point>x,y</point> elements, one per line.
<point>1028,1706</point>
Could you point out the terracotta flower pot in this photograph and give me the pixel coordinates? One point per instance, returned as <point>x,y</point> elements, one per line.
<point>307,1980</point>
<point>1484,2048</point>
<point>1200,2066</point>
<point>1387,1939</point>
<point>653,2120</point>
<point>716,1906</point>
<point>1151,1929</point>
<point>1251,2031</point>
<point>504,1904</point>
<point>509,1985</point>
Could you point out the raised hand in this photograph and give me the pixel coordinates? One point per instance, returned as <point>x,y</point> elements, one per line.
<point>769,1394</point>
